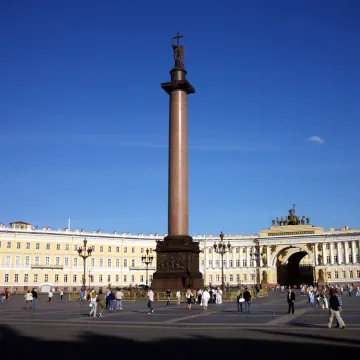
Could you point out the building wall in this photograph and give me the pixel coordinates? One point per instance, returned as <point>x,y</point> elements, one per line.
<point>33,258</point>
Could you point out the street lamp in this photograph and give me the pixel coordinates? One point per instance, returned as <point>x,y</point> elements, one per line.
<point>257,257</point>
<point>147,260</point>
<point>84,253</point>
<point>222,249</point>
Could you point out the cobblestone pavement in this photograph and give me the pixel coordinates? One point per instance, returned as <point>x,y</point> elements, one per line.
<point>268,324</point>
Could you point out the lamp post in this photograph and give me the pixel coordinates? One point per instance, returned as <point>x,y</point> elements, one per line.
<point>257,257</point>
<point>147,260</point>
<point>222,248</point>
<point>84,253</point>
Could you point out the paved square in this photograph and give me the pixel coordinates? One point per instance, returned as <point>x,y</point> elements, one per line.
<point>264,329</point>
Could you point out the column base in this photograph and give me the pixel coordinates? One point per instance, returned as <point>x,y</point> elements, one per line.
<point>177,264</point>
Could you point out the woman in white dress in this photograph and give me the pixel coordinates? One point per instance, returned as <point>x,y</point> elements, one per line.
<point>219,296</point>
<point>205,299</point>
<point>93,305</point>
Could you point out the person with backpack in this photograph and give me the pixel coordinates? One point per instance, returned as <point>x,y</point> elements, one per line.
<point>334,310</point>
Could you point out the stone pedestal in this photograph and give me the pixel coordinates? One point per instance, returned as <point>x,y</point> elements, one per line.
<point>177,264</point>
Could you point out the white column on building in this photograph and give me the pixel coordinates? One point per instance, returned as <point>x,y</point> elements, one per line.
<point>268,255</point>
<point>353,252</point>
<point>234,256</point>
<point>316,254</point>
<point>346,252</point>
<point>227,260</point>
<point>338,253</point>
<point>331,254</point>
<point>248,256</point>
<point>240,256</point>
<point>213,258</point>
<point>324,253</point>
<point>261,257</point>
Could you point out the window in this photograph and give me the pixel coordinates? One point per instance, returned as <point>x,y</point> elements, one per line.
<point>18,246</point>
<point>327,246</point>
<point>210,250</point>
<point>92,261</point>
<point>202,263</point>
<point>350,258</point>
<point>56,277</point>
<point>47,260</point>
<point>210,263</point>
<point>37,260</point>
<point>65,278</point>
<point>252,277</point>
<point>133,250</point>
<point>125,278</point>
<point>101,249</point>
<point>92,278</point>
<point>8,260</point>
<point>237,263</point>
<point>57,261</point>
<point>6,278</point>
<point>335,258</point>
<point>358,273</point>
<point>142,250</point>
<point>66,262</point>
<point>132,262</point>
<point>328,259</point>
<point>329,274</point>
<point>357,258</point>
<point>17,260</point>
<point>74,278</point>
<point>251,262</point>
<point>125,263</point>
<point>117,278</point>
<point>75,261</point>
<point>37,246</point>
<point>133,278</point>
<point>75,247</point>
<point>100,278</point>
<point>109,249</point>
<point>244,276</point>
<point>16,278</point>
<point>244,250</point>
<point>244,262</point>
<point>230,263</point>
<point>237,250</point>
<point>117,249</point>
<point>217,262</point>
<point>109,262</point>
<point>231,277</point>
<point>141,278</point>
<point>217,277</point>
<point>210,278</point>
<point>27,260</point>
<point>336,274</point>
<point>351,274</point>
<point>117,263</point>
<point>0,244</point>
<point>238,277</point>
<point>101,262</point>
<point>9,245</point>
<point>109,278</point>
<point>67,247</point>
<point>47,246</point>
<point>151,250</point>
<point>35,278</point>
<point>57,246</point>
<point>28,246</point>
<point>125,249</point>
<point>93,247</point>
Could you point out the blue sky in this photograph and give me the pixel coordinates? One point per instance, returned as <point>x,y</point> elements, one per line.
<point>84,122</point>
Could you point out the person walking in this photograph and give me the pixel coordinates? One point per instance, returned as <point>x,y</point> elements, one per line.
<point>150,296</point>
<point>28,299</point>
<point>350,289</point>
<point>340,306</point>
<point>93,305</point>
<point>61,294</point>
<point>357,291</point>
<point>34,298</point>
<point>168,295</point>
<point>119,296</point>
<point>50,295</point>
<point>101,302</point>
<point>205,299</point>
<point>178,297</point>
<point>188,298</point>
<point>334,310</point>
<point>239,301</point>
<point>199,295</point>
<point>291,301</point>
<point>111,299</point>
<point>247,298</point>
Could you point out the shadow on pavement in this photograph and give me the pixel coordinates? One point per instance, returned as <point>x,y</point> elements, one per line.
<point>92,345</point>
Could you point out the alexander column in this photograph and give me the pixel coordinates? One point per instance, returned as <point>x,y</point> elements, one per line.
<point>178,254</point>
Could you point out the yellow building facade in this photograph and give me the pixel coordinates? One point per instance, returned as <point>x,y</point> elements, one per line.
<point>289,254</point>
